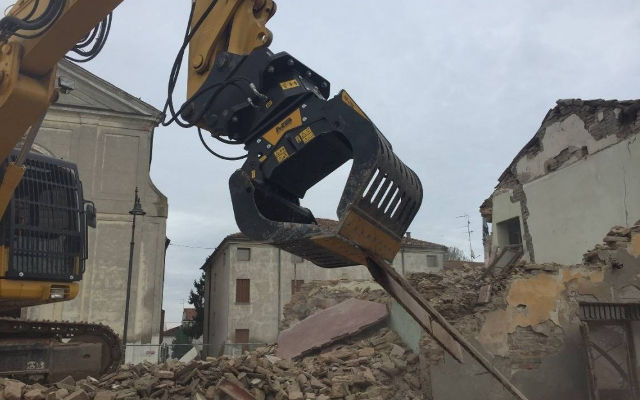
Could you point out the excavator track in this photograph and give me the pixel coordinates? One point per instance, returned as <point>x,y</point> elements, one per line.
<point>51,350</point>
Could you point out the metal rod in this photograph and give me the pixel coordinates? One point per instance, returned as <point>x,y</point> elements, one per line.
<point>135,211</point>
<point>279,286</point>
<point>400,288</point>
<point>129,273</point>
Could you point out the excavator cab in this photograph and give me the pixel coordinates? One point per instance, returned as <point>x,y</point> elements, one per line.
<point>296,136</point>
<point>43,235</point>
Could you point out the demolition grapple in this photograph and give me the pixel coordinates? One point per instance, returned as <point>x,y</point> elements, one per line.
<point>295,137</point>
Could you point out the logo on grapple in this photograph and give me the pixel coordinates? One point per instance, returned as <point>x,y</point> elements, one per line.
<point>291,121</point>
<point>284,124</point>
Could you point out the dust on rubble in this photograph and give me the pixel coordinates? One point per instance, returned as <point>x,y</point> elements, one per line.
<point>375,366</point>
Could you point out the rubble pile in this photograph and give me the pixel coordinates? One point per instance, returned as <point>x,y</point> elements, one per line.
<point>618,237</point>
<point>375,366</point>
<point>454,293</point>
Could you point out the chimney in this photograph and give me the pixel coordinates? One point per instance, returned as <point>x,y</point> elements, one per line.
<point>408,235</point>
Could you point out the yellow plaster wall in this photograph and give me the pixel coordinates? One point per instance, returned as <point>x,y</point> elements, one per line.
<point>534,300</point>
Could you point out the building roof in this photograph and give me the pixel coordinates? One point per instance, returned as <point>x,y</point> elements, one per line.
<point>171,332</point>
<point>94,93</point>
<point>423,244</point>
<point>407,241</point>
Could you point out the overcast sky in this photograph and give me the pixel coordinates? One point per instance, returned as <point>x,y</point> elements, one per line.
<point>458,87</point>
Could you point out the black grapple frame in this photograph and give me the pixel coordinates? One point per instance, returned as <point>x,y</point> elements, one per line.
<point>295,137</point>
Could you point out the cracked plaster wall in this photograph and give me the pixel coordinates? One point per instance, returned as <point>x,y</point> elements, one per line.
<point>577,174</point>
<point>568,208</point>
<point>533,333</point>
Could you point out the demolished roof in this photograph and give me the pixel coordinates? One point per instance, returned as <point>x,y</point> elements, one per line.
<point>602,118</point>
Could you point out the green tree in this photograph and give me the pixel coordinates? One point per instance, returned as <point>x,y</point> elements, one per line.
<point>196,298</point>
<point>181,344</point>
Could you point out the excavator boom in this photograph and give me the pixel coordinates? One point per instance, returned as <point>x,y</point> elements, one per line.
<point>29,53</point>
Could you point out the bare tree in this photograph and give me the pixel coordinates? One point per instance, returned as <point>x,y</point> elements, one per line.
<point>455,254</point>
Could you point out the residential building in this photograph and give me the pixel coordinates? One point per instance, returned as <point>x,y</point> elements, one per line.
<point>188,316</point>
<point>576,177</point>
<point>108,133</point>
<point>248,283</point>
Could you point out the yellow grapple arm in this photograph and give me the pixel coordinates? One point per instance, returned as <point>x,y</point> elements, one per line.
<point>27,65</point>
<point>28,58</point>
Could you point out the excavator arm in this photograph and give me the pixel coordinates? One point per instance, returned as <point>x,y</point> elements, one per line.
<point>29,53</point>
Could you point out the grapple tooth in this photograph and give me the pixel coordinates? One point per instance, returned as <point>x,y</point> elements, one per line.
<point>380,199</point>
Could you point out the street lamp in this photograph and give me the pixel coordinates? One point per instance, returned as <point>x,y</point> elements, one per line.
<point>136,210</point>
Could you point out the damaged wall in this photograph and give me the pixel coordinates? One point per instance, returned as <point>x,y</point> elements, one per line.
<point>529,325</point>
<point>577,174</point>
<point>569,206</point>
<point>532,325</point>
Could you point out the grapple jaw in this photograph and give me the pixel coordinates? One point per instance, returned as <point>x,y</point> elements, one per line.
<point>295,137</point>
<point>379,201</point>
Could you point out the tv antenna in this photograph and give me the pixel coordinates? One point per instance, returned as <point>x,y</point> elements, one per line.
<point>469,231</point>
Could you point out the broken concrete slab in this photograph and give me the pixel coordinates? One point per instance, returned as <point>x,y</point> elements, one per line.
<point>77,395</point>
<point>234,390</point>
<point>13,390</point>
<point>328,326</point>
<point>33,394</point>
<point>484,297</point>
<point>190,355</point>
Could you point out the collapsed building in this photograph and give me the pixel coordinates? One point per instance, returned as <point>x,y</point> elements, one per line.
<point>558,332</point>
<point>577,176</point>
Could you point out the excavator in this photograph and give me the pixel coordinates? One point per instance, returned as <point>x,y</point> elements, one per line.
<point>238,91</point>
